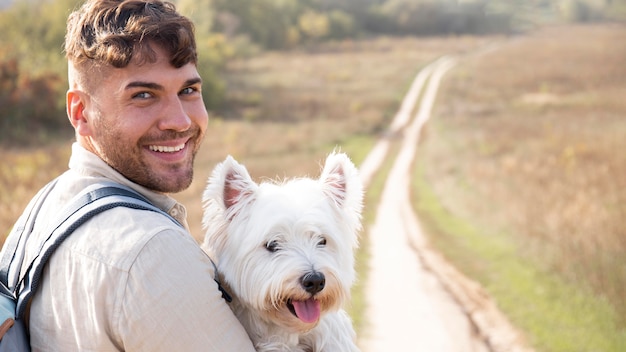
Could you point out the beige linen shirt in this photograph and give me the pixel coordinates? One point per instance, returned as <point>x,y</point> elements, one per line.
<point>127,279</point>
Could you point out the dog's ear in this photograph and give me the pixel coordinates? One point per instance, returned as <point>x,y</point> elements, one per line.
<point>237,187</point>
<point>341,182</point>
<point>230,187</point>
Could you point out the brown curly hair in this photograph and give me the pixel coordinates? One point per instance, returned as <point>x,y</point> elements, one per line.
<point>112,32</point>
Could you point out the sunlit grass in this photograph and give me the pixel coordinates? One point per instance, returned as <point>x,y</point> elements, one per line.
<point>526,189</point>
<point>22,173</point>
<point>554,314</point>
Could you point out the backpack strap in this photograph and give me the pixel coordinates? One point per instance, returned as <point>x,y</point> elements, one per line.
<point>94,200</point>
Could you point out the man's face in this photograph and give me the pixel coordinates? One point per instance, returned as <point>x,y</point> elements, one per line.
<point>147,122</point>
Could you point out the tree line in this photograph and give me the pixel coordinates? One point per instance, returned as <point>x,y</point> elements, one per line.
<point>33,70</point>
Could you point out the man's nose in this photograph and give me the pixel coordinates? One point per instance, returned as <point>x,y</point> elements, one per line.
<point>175,117</point>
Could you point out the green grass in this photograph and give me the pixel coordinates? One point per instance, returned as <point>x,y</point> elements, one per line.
<point>555,315</point>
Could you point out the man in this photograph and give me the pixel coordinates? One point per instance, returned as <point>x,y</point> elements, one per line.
<point>130,279</point>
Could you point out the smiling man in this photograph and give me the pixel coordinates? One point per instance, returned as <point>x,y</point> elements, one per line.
<point>131,280</point>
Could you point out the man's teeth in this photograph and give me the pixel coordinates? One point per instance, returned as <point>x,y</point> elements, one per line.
<point>163,149</point>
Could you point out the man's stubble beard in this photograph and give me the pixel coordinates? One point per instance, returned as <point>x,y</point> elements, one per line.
<point>128,160</point>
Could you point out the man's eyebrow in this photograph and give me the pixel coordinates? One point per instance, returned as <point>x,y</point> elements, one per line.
<point>156,86</point>
<point>193,81</point>
<point>139,84</point>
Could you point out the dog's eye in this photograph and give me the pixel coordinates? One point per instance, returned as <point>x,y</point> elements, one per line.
<point>322,242</point>
<point>271,246</point>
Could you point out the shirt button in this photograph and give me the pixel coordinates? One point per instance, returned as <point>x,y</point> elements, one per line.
<point>174,212</point>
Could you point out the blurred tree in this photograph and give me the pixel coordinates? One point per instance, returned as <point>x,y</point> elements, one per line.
<point>201,12</point>
<point>34,31</point>
<point>358,10</point>
<point>34,71</point>
<point>616,9</point>
<point>436,17</point>
<point>29,111</point>
<point>342,25</point>
<point>314,25</point>
<point>267,22</point>
<point>583,11</point>
<point>213,50</point>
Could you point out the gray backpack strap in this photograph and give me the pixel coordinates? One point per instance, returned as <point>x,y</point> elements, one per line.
<point>86,205</point>
<point>15,294</point>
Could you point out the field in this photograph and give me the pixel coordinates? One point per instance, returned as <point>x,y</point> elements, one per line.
<point>284,113</point>
<point>520,179</point>
<point>525,158</point>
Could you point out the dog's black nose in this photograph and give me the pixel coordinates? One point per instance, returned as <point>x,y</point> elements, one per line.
<point>313,282</point>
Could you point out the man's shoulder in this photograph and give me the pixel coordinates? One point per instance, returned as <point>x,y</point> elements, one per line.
<point>117,236</point>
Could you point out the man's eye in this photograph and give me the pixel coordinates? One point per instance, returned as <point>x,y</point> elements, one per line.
<point>142,95</point>
<point>188,90</point>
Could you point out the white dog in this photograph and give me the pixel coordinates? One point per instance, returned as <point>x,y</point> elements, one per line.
<point>286,253</point>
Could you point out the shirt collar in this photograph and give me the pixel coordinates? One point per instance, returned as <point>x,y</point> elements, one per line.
<point>89,164</point>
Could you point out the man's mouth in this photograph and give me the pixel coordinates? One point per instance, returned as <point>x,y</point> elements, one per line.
<point>166,149</point>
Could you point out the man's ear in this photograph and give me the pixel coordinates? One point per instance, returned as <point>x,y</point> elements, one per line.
<point>76,106</point>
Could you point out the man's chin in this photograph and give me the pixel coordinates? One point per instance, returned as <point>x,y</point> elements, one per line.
<point>174,184</point>
<point>165,182</point>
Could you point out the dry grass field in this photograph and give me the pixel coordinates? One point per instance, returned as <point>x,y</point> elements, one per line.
<point>528,147</point>
<point>22,173</point>
<point>284,113</point>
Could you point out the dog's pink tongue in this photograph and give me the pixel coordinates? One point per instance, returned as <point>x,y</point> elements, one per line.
<point>308,311</point>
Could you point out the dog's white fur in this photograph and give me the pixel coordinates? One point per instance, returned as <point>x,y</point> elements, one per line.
<point>266,238</point>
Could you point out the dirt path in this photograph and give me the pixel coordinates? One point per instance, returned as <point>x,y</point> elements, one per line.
<point>416,300</point>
